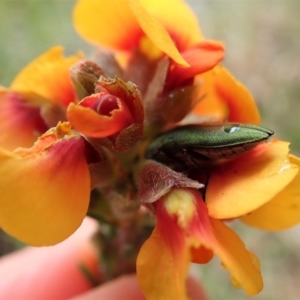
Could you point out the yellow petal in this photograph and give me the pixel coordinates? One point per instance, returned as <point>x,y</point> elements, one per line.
<point>107,22</point>
<point>215,235</point>
<point>231,100</point>
<point>172,16</point>
<point>44,190</point>
<point>250,181</point>
<point>125,23</point>
<point>47,79</point>
<point>242,265</point>
<point>162,272</point>
<point>283,211</point>
<point>156,32</point>
<point>241,105</point>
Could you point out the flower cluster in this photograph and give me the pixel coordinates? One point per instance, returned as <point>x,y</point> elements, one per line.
<point>74,136</point>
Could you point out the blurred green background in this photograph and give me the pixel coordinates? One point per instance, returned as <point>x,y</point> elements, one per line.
<point>262,50</point>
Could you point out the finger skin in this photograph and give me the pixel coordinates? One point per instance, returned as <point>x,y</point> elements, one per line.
<point>127,288</point>
<point>124,287</point>
<point>50,272</point>
<point>195,290</point>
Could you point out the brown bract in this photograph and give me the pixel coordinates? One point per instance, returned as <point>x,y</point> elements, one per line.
<point>155,180</point>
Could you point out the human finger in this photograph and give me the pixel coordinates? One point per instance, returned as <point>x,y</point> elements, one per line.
<point>50,272</point>
<point>127,288</point>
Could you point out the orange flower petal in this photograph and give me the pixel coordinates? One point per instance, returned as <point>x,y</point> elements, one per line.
<point>201,255</point>
<point>20,124</point>
<point>47,79</point>
<point>156,31</point>
<point>91,123</point>
<point>215,235</point>
<point>201,58</point>
<point>183,36</point>
<point>250,181</point>
<point>117,27</point>
<point>127,91</point>
<point>208,102</point>
<point>161,271</point>
<point>283,211</point>
<point>242,265</point>
<point>131,18</point>
<point>45,190</point>
<point>241,105</point>
<point>235,102</point>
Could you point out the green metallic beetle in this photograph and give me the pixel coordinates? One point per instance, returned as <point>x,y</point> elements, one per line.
<point>198,145</point>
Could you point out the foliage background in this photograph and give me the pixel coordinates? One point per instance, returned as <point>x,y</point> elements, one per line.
<point>262,50</point>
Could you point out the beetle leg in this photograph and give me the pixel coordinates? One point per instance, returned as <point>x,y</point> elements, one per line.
<point>199,169</point>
